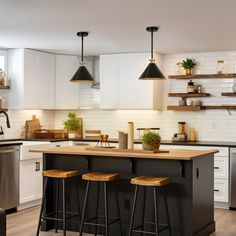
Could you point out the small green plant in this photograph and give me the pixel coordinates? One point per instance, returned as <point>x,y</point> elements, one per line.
<point>188,64</point>
<point>72,123</point>
<point>151,138</point>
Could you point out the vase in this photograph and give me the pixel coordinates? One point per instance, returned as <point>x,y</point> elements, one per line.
<point>188,71</point>
<point>234,87</point>
<point>151,147</point>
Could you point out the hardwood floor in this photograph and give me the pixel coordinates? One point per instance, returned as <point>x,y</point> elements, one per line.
<point>24,223</point>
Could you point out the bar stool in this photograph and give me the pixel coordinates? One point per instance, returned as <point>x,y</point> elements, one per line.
<point>155,183</point>
<point>100,178</point>
<point>58,175</point>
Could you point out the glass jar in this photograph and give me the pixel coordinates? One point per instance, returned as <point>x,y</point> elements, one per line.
<point>220,66</point>
<point>182,127</point>
<point>190,87</point>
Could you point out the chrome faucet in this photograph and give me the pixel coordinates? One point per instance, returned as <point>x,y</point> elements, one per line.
<point>7,119</point>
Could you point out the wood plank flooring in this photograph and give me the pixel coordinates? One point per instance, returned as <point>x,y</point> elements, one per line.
<point>24,223</point>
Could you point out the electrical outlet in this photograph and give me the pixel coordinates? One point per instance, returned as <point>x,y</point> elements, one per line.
<point>127,204</point>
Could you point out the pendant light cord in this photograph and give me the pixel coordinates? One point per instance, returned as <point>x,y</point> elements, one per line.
<point>82,49</point>
<point>152,45</point>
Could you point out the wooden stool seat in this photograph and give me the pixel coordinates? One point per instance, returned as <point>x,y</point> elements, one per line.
<point>100,177</point>
<point>150,181</point>
<point>60,174</point>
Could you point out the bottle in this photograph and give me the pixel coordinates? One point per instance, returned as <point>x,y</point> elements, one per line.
<point>190,87</point>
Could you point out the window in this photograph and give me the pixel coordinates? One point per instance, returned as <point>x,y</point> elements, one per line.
<point>3,60</point>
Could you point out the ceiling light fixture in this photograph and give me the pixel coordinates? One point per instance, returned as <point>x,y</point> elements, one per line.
<point>152,72</point>
<point>82,75</point>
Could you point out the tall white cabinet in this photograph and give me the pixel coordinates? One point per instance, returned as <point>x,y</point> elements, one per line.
<point>120,86</point>
<point>67,93</point>
<point>32,75</point>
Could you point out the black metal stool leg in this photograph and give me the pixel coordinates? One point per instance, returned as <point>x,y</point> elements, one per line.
<point>42,206</point>
<point>64,206</point>
<point>84,208</point>
<point>144,202</point>
<point>156,210</point>
<point>77,196</point>
<point>57,203</point>
<point>133,210</point>
<point>167,211</point>
<point>97,207</point>
<point>118,208</point>
<point>106,209</point>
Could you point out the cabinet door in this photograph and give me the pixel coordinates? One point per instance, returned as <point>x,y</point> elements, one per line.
<point>120,84</point>
<point>30,180</point>
<point>67,93</point>
<point>134,93</point>
<point>109,83</point>
<point>39,80</point>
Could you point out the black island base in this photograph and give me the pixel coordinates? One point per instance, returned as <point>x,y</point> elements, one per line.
<point>190,193</point>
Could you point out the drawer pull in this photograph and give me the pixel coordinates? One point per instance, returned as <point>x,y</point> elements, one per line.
<point>216,167</point>
<point>37,166</point>
<point>216,190</point>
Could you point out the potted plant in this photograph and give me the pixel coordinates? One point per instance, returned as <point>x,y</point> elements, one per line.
<point>188,65</point>
<point>151,141</point>
<point>72,125</point>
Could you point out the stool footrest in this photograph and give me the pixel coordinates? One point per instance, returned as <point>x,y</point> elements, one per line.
<point>136,230</point>
<point>50,216</point>
<point>113,220</point>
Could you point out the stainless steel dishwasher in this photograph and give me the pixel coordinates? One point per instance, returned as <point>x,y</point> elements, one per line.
<point>9,176</point>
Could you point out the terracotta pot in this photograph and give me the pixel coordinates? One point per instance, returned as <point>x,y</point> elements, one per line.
<point>151,147</point>
<point>189,71</point>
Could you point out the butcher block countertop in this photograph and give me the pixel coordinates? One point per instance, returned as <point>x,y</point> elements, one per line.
<point>184,155</point>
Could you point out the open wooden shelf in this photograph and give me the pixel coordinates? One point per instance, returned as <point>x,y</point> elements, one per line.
<point>229,94</point>
<point>184,108</point>
<point>227,107</point>
<point>204,76</point>
<point>4,87</point>
<point>189,95</point>
<point>199,108</point>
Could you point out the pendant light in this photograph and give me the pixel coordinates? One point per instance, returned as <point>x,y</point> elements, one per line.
<point>152,72</point>
<point>82,75</point>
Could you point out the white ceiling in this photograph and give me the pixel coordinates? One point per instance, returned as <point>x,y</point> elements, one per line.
<point>118,25</point>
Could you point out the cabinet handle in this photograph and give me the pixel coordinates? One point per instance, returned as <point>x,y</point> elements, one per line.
<point>197,174</point>
<point>216,167</point>
<point>216,190</point>
<point>37,166</point>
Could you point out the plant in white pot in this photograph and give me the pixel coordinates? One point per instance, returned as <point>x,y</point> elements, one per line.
<point>72,125</point>
<point>151,141</point>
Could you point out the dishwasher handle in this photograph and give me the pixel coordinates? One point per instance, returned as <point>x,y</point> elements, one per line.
<point>3,151</point>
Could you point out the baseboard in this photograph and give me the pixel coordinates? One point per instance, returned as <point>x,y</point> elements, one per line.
<point>221,205</point>
<point>30,204</point>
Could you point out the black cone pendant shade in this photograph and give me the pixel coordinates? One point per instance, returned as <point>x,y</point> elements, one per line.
<point>82,75</point>
<point>152,72</point>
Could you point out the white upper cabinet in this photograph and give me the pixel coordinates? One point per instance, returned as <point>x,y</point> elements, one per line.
<point>67,93</point>
<point>120,84</point>
<point>72,95</point>
<point>32,75</point>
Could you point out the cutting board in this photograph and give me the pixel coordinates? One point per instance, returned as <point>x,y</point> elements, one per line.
<point>31,126</point>
<point>112,149</point>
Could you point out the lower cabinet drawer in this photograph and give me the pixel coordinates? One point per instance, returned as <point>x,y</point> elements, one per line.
<point>221,167</point>
<point>221,190</point>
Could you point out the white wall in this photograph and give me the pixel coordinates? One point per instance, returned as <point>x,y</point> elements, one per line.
<point>18,118</point>
<point>212,125</point>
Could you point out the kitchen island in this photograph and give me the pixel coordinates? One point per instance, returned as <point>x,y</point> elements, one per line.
<point>190,194</point>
